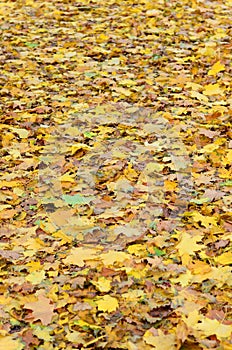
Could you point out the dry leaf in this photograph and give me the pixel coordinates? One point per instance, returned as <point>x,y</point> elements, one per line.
<point>107,303</point>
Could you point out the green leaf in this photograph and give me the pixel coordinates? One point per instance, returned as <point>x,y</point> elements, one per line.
<point>158,252</point>
<point>153,225</point>
<point>226,183</point>
<point>89,134</point>
<point>38,222</point>
<point>90,74</point>
<point>156,57</point>
<point>200,200</point>
<point>32,45</point>
<point>77,199</point>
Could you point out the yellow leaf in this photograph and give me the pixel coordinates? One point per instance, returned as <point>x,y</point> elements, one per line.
<point>216,68</point>
<point>227,160</point>
<point>9,343</point>
<point>209,148</point>
<point>152,13</point>
<point>224,259</point>
<point>194,86</point>
<point>213,327</point>
<point>153,167</point>
<point>133,295</point>
<point>78,147</point>
<point>102,284</point>
<point>209,50</point>
<point>7,214</point>
<point>84,324</point>
<point>123,91</point>
<point>127,82</point>
<point>130,173</point>
<point>75,337</point>
<point>188,244</point>
<point>138,250</point>
<point>199,96</point>
<point>64,238</point>
<point>35,277</point>
<point>23,133</point>
<point>4,206</point>
<point>43,333</point>
<point>170,185</point>
<point>107,303</point>
<point>9,184</point>
<point>212,89</point>
<point>184,279</point>
<point>67,177</point>
<point>205,221</point>
<point>192,319</point>
<point>112,256</point>
<point>33,243</point>
<point>161,341</point>
<point>34,266</point>
<point>200,267</point>
<point>79,255</point>
<point>102,38</point>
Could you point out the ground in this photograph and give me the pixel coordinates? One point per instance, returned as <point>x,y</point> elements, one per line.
<point>115,180</point>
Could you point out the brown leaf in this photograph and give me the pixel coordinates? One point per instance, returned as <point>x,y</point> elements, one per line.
<point>42,309</point>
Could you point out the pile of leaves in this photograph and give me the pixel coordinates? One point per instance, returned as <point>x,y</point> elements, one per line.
<point>116,153</point>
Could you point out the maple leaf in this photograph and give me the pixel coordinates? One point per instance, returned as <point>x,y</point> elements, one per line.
<point>225,258</point>
<point>36,277</point>
<point>205,221</point>
<point>188,244</point>
<point>212,89</point>
<point>79,255</point>
<point>76,131</point>
<point>10,343</point>
<point>213,327</point>
<point>75,337</point>
<point>42,332</point>
<point>159,340</point>
<point>112,257</point>
<point>77,199</point>
<point>216,68</point>
<point>107,303</point>
<point>102,284</point>
<point>42,309</point>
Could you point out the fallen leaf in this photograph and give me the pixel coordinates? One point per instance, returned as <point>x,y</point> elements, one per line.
<point>102,284</point>
<point>79,255</point>
<point>205,221</point>
<point>224,259</point>
<point>212,89</point>
<point>10,343</point>
<point>42,309</point>
<point>36,277</point>
<point>160,341</point>
<point>77,199</point>
<point>213,327</point>
<point>188,244</point>
<point>112,257</point>
<point>216,68</point>
<point>107,303</point>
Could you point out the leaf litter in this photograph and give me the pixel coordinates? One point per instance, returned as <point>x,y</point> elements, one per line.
<point>115,181</point>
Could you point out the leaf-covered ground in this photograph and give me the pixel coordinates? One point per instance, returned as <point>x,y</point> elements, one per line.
<point>115,181</point>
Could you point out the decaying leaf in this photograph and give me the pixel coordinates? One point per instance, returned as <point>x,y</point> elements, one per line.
<point>115,181</point>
